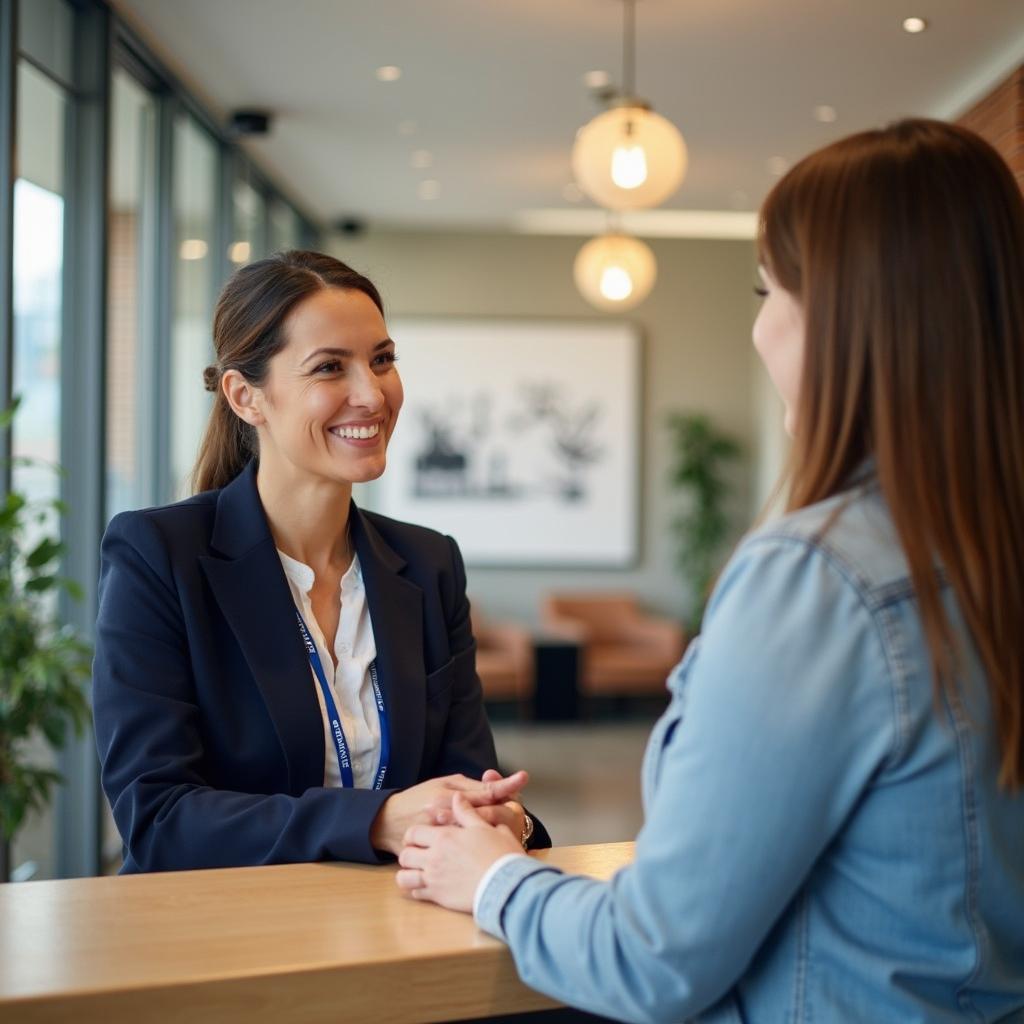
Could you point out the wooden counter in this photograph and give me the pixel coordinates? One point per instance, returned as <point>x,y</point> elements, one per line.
<point>298,942</point>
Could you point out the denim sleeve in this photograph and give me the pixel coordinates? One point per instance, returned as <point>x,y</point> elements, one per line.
<point>788,714</point>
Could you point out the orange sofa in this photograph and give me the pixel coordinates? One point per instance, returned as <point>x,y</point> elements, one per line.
<point>626,651</point>
<point>504,658</point>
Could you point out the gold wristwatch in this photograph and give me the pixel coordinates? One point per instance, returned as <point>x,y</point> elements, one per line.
<point>527,829</point>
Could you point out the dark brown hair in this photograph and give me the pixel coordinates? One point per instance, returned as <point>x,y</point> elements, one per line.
<point>905,248</point>
<point>247,333</point>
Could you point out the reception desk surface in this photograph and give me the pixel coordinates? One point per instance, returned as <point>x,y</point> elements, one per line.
<point>297,942</point>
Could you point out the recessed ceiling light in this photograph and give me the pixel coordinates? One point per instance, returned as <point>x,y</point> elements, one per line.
<point>422,158</point>
<point>597,79</point>
<point>825,114</point>
<point>388,73</point>
<point>778,165</point>
<point>572,193</point>
<point>914,25</point>
<point>406,127</point>
<point>239,252</point>
<point>429,189</point>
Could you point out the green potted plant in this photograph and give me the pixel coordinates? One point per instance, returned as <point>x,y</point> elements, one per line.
<point>43,664</point>
<point>701,455</point>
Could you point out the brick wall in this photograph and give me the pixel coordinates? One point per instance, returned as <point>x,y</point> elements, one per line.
<point>999,118</point>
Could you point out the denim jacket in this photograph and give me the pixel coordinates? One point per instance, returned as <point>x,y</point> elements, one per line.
<point>823,841</point>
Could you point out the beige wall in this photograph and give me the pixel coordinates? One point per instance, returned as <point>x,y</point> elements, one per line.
<point>697,357</point>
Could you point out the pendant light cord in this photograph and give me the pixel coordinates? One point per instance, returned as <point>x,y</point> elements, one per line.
<point>629,48</point>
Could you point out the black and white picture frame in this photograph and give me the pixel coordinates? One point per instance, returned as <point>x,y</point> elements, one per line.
<point>519,438</point>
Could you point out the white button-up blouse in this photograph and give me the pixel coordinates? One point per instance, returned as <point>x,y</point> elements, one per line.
<point>354,652</point>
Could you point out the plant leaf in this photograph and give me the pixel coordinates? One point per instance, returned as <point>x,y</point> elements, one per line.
<point>44,552</point>
<point>39,584</point>
<point>7,415</point>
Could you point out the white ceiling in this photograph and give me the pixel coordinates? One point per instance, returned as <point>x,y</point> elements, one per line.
<point>495,90</point>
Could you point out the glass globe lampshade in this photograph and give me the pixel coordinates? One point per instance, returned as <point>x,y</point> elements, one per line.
<point>629,158</point>
<point>615,272</point>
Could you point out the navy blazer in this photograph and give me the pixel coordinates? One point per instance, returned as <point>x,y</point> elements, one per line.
<point>207,723</point>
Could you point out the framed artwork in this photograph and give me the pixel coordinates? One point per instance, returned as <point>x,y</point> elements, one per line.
<point>519,438</point>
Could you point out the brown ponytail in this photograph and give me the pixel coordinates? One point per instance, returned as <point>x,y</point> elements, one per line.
<point>228,444</point>
<point>247,334</point>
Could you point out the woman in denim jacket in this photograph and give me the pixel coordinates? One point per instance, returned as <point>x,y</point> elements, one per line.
<point>834,799</point>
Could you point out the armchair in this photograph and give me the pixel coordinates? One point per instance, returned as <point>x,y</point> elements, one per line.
<point>626,651</point>
<point>504,658</point>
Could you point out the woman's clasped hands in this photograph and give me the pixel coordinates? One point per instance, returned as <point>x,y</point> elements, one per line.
<point>431,804</point>
<point>443,863</point>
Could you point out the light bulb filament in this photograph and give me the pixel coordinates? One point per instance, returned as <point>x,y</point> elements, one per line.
<point>616,284</point>
<point>629,166</point>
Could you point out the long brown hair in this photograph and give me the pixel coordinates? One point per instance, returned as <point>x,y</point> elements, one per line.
<point>247,333</point>
<point>905,248</point>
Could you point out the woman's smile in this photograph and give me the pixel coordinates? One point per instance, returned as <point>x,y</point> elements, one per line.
<point>362,434</point>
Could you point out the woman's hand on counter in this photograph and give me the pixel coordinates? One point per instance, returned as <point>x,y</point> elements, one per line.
<point>444,863</point>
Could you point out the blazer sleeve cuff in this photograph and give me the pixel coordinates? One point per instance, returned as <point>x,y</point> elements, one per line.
<point>352,842</point>
<point>496,887</point>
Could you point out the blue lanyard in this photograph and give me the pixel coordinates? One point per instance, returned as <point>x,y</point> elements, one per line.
<point>340,743</point>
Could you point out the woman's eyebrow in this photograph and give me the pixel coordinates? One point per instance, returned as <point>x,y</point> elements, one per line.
<point>343,351</point>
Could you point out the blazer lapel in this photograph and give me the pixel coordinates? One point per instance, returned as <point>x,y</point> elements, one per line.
<point>396,611</point>
<point>252,592</point>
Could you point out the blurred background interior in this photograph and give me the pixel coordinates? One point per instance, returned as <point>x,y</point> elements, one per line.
<point>595,458</point>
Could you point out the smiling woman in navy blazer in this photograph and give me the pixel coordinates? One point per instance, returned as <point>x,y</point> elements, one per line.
<point>225,739</point>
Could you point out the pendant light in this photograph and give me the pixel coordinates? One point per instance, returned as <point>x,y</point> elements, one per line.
<point>615,271</point>
<point>628,157</point>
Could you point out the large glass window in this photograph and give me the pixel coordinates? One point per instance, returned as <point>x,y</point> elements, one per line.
<point>195,223</point>
<point>161,237</point>
<point>249,217</point>
<point>285,226</point>
<point>46,35</point>
<point>130,314</point>
<point>38,287</point>
<point>38,280</point>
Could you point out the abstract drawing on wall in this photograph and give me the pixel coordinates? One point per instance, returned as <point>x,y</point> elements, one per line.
<point>518,438</point>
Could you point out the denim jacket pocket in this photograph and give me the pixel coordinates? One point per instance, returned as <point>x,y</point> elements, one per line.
<point>725,1011</point>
